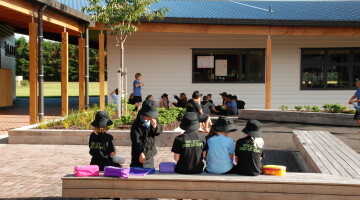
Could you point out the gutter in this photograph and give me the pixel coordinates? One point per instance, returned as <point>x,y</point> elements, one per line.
<point>256,22</point>
<point>40,60</point>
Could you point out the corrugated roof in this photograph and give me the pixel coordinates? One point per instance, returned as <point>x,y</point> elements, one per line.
<point>337,13</point>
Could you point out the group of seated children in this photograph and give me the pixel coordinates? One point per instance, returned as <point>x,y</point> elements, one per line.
<point>190,148</point>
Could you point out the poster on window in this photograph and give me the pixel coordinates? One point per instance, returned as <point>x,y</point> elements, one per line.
<point>205,62</point>
<point>221,67</point>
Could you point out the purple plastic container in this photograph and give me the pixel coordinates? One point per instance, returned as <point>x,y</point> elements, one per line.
<point>111,171</point>
<point>167,167</point>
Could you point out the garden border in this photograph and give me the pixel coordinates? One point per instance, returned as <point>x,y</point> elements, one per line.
<point>320,118</point>
<point>29,135</point>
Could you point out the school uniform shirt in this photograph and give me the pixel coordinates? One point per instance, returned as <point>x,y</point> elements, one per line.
<point>101,146</point>
<point>206,107</point>
<point>190,146</point>
<point>232,104</point>
<point>249,157</point>
<point>180,103</point>
<point>193,106</point>
<point>142,136</point>
<point>218,159</point>
<point>137,90</point>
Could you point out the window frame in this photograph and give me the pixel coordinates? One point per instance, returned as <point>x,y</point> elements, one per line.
<point>239,66</point>
<point>327,64</point>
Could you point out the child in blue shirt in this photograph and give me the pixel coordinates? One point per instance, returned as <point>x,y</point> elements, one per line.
<point>352,100</point>
<point>220,147</point>
<point>137,85</point>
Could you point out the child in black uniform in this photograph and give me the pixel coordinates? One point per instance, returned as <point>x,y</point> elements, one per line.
<point>189,148</point>
<point>249,151</point>
<point>143,132</point>
<point>101,144</point>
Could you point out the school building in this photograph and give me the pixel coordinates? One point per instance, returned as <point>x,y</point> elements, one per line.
<point>268,53</point>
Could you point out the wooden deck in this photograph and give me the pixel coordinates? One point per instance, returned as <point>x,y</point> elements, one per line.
<point>304,186</point>
<point>324,153</point>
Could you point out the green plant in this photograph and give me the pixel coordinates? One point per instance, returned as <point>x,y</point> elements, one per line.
<point>168,116</point>
<point>298,108</point>
<point>117,122</point>
<point>327,107</point>
<point>24,83</point>
<point>284,107</point>
<point>352,111</point>
<point>337,108</point>
<point>316,108</point>
<point>307,108</point>
<point>42,125</point>
<point>51,123</point>
<point>127,119</point>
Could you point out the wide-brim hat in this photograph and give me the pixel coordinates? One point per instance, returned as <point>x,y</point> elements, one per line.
<point>253,128</point>
<point>149,109</point>
<point>102,119</point>
<point>190,122</point>
<point>224,124</point>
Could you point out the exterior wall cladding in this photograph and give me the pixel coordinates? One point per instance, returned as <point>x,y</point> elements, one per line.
<point>165,60</point>
<point>7,58</point>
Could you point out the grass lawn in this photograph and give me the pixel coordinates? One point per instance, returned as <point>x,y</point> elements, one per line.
<point>53,89</point>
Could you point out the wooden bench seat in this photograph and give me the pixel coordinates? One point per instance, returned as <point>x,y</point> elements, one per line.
<point>325,153</point>
<point>304,186</point>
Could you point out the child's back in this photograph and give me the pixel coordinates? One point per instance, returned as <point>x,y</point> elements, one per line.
<point>218,156</point>
<point>190,146</point>
<point>249,157</point>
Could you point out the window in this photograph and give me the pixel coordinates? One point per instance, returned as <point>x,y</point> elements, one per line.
<point>228,65</point>
<point>330,69</point>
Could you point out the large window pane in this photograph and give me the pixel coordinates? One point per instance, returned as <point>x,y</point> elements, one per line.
<point>228,65</point>
<point>339,55</point>
<point>356,73</point>
<point>252,65</point>
<point>338,77</point>
<point>356,56</point>
<point>313,56</point>
<point>313,77</point>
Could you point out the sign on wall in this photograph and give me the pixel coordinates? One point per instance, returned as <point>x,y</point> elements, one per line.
<point>205,62</point>
<point>221,67</point>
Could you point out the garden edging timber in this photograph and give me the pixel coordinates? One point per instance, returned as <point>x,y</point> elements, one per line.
<point>337,119</point>
<point>29,135</point>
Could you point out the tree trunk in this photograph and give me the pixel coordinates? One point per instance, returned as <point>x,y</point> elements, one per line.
<point>120,83</point>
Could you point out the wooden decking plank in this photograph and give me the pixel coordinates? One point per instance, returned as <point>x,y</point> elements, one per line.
<point>349,165</point>
<point>332,158</point>
<point>353,155</point>
<point>305,151</point>
<point>323,164</point>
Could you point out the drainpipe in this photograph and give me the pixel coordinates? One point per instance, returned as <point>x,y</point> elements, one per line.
<point>40,63</point>
<point>86,67</point>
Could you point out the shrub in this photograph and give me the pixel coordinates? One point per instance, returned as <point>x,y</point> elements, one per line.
<point>127,119</point>
<point>168,116</point>
<point>307,108</point>
<point>42,125</point>
<point>316,108</point>
<point>298,108</point>
<point>337,107</point>
<point>284,107</point>
<point>352,111</point>
<point>24,83</point>
<point>327,107</point>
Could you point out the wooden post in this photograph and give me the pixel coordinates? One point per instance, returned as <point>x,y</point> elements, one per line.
<point>64,73</point>
<point>268,74</point>
<point>81,73</point>
<point>33,106</point>
<point>102,70</point>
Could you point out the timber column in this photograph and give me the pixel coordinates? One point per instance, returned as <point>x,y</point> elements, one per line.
<point>81,73</point>
<point>268,73</point>
<point>64,73</point>
<point>33,73</point>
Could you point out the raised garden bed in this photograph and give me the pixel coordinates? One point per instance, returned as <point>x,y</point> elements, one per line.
<point>322,118</point>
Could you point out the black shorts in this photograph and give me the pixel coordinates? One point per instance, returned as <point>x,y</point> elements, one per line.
<point>137,99</point>
<point>203,117</point>
<point>357,116</point>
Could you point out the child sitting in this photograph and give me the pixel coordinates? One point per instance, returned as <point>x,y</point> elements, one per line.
<point>194,106</point>
<point>181,102</point>
<point>189,147</point>
<point>143,132</point>
<point>220,151</point>
<point>207,106</point>
<point>165,103</point>
<point>101,144</point>
<point>249,150</point>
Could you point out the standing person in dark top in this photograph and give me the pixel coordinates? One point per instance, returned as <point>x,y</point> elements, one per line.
<point>143,132</point>
<point>249,151</point>
<point>207,106</point>
<point>181,102</point>
<point>189,147</point>
<point>102,148</point>
<point>194,105</point>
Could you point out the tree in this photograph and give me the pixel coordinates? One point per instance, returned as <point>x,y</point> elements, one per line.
<point>120,17</point>
<point>22,57</point>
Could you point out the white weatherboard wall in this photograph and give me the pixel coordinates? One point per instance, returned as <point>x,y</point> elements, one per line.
<point>165,61</point>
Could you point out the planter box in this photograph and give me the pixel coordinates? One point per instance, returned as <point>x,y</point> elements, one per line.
<point>337,119</point>
<point>28,135</point>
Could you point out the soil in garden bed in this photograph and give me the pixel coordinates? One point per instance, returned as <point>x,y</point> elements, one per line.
<point>168,127</point>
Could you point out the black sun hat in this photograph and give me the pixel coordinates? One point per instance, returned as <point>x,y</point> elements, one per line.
<point>190,122</point>
<point>224,124</point>
<point>149,109</point>
<point>253,128</point>
<point>223,94</point>
<point>102,119</point>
